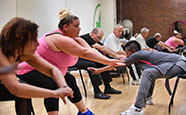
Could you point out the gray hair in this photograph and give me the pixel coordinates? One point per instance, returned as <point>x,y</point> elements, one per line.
<point>118,26</point>
<point>95,30</point>
<point>144,30</point>
<point>157,35</point>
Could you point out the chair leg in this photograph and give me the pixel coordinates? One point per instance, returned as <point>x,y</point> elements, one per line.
<point>83,83</point>
<point>123,77</point>
<point>173,94</point>
<point>127,74</point>
<point>167,86</point>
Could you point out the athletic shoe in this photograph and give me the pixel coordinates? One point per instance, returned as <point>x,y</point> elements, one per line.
<point>133,111</point>
<point>86,113</point>
<point>135,82</point>
<point>149,101</point>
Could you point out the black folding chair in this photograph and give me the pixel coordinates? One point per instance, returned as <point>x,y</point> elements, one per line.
<point>81,76</point>
<point>123,70</point>
<point>172,94</point>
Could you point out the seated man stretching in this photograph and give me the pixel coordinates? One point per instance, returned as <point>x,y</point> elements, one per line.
<point>153,68</point>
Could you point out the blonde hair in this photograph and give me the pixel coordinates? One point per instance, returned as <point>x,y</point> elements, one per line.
<point>65,17</point>
<point>63,13</point>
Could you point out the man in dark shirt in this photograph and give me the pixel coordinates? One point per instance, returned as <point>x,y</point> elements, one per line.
<point>155,40</point>
<point>93,39</point>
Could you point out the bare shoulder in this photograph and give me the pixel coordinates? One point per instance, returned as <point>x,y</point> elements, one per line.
<point>4,60</point>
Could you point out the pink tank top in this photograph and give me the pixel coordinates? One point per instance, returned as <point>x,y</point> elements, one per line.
<point>171,43</point>
<point>59,59</point>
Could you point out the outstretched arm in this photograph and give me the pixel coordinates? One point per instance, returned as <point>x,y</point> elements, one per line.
<point>79,48</point>
<point>106,68</point>
<point>49,70</point>
<point>16,88</point>
<point>162,44</point>
<point>108,51</point>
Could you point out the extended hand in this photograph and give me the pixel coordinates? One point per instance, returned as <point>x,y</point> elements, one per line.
<point>93,70</point>
<point>63,92</point>
<point>114,62</point>
<point>121,57</point>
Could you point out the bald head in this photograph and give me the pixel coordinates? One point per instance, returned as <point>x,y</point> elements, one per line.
<point>97,34</point>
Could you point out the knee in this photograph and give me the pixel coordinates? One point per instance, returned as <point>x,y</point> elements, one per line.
<point>51,104</point>
<point>91,64</point>
<point>147,74</point>
<point>70,79</point>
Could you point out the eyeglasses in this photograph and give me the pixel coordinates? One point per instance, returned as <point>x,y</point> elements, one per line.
<point>98,36</point>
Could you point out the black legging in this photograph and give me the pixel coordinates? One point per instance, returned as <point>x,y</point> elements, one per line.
<point>22,105</point>
<point>95,79</point>
<point>38,79</point>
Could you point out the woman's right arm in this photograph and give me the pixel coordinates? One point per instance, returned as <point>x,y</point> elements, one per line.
<point>70,46</point>
<point>179,41</point>
<point>11,82</point>
<point>28,91</point>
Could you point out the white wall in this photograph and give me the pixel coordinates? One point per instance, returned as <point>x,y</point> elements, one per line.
<point>45,12</point>
<point>84,9</point>
<point>8,10</point>
<point>108,17</point>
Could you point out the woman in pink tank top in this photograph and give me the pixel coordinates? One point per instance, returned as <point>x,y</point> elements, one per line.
<point>174,41</point>
<point>62,48</point>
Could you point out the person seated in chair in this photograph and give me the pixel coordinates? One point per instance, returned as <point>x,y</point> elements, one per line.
<point>93,39</point>
<point>153,67</point>
<point>156,40</point>
<point>116,44</point>
<point>174,41</point>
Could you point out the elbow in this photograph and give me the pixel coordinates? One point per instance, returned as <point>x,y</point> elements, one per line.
<point>16,90</point>
<point>85,52</point>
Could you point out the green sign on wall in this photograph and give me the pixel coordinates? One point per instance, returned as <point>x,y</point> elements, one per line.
<point>97,16</point>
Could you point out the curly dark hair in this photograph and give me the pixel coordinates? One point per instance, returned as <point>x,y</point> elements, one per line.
<point>17,33</point>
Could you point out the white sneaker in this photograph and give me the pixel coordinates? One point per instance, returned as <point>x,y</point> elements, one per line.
<point>135,82</point>
<point>149,101</point>
<point>133,111</point>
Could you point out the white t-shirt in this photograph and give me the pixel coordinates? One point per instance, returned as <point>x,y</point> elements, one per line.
<point>141,41</point>
<point>113,43</point>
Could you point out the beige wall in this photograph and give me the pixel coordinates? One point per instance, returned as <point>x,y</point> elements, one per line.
<point>108,13</point>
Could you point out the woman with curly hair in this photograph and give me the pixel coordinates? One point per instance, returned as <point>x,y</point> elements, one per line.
<point>18,42</point>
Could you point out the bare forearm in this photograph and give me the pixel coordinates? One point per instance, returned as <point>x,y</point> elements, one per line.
<point>106,68</point>
<point>94,55</point>
<point>58,77</point>
<point>109,52</point>
<point>28,91</point>
<point>164,45</point>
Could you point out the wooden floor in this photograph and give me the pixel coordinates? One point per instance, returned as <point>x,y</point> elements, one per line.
<point>117,103</point>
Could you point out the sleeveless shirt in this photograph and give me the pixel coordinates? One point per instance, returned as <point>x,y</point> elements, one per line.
<point>59,59</point>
